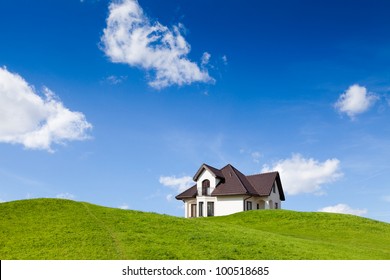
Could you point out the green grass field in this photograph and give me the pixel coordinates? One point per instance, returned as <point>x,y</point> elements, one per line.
<point>65,229</point>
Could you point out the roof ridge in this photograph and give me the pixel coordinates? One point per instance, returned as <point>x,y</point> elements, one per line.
<point>263,173</point>
<point>240,180</point>
<point>232,168</point>
<point>215,171</point>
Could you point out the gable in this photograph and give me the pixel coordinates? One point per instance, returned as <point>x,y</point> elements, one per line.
<point>263,183</point>
<point>213,171</point>
<point>207,175</point>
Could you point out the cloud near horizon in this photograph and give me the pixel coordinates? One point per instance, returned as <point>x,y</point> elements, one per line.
<point>343,209</point>
<point>124,206</point>
<point>179,184</point>
<point>132,38</point>
<point>65,196</point>
<point>355,100</point>
<point>305,175</point>
<point>35,121</point>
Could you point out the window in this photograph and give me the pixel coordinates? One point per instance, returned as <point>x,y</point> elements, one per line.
<point>249,205</point>
<point>205,187</point>
<point>193,210</point>
<point>201,209</point>
<point>258,206</point>
<point>276,205</point>
<point>210,209</point>
<point>273,188</point>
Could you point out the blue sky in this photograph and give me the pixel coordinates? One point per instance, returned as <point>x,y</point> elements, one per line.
<point>119,103</point>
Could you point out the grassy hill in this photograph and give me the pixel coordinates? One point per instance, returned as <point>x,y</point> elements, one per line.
<point>64,229</point>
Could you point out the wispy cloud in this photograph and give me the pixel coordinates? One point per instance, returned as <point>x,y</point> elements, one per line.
<point>305,175</point>
<point>224,59</point>
<point>115,80</point>
<point>256,156</point>
<point>65,196</point>
<point>343,209</point>
<point>132,38</point>
<point>21,179</point>
<point>124,206</point>
<point>386,198</point>
<point>205,59</point>
<point>36,121</point>
<point>355,100</point>
<point>179,184</point>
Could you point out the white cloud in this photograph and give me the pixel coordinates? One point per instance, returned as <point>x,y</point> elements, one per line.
<point>32,120</point>
<point>224,59</point>
<point>355,100</point>
<point>256,157</point>
<point>179,184</point>
<point>65,196</point>
<point>305,175</point>
<point>30,196</point>
<point>114,80</point>
<point>205,59</point>
<point>124,206</point>
<point>132,38</point>
<point>343,209</point>
<point>386,198</point>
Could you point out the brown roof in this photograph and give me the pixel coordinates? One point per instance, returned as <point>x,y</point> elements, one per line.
<point>263,183</point>
<point>233,182</point>
<point>191,192</point>
<point>216,172</point>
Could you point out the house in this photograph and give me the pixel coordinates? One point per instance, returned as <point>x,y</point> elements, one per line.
<point>225,191</point>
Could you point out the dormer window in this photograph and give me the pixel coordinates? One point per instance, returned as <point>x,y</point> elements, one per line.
<point>205,187</point>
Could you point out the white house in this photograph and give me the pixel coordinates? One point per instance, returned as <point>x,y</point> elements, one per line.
<point>225,191</point>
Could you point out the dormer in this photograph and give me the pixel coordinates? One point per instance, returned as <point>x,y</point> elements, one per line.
<point>207,179</point>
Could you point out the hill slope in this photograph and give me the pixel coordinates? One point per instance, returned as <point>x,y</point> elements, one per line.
<point>64,229</point>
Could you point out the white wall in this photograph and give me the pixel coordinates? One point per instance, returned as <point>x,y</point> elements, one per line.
<point>206,199</point>
<point>187,207</point>
<point>206,175</point>
<point>274,196</point>
<point>227,205</point>
<point>266,202</point>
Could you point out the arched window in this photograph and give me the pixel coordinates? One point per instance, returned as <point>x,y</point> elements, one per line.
<point>205,187</point>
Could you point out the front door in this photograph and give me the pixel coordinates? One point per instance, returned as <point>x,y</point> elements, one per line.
<point>193,210</point>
